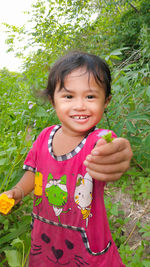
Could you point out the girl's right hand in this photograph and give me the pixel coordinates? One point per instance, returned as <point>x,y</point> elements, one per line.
<point>14,193</point>
<point>108,161</point>
<point>7,201</point>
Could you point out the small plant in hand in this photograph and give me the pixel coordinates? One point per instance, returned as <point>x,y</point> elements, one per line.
<point>6,203</point>
<point>108,137</point>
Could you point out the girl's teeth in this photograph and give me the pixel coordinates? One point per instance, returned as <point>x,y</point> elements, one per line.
<point>80,117</point>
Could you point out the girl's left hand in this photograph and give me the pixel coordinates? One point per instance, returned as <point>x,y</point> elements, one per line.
<point>108,161</point>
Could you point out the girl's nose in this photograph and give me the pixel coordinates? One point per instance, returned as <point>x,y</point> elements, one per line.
<point>79,104</point>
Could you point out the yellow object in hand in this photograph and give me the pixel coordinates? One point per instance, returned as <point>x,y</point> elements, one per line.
<point>6,203</point>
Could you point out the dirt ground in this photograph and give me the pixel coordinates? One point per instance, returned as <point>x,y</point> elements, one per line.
<point>137,212</point>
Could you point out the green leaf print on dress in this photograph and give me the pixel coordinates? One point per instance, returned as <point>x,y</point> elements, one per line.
<point>56,192</point>
<point>83,195</point>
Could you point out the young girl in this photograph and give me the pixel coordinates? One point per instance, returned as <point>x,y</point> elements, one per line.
<point>69,223</point>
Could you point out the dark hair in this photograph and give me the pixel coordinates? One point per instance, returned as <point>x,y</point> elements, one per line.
<point>74,60</point>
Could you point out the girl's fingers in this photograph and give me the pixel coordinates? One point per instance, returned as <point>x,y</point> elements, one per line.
<point>117,145</point>
<point>109,168</point>
<point>9,193</point>
<point>103,176</point>
<point>110,159</point>
<point>12,194</point>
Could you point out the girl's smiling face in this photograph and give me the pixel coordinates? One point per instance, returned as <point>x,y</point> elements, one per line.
<point>80,105</point>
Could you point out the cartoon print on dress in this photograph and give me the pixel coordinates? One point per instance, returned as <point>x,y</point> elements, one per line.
<point>38,188</point>
<point>57,255</point>
<point>56,192</point>
<point>83,195</point>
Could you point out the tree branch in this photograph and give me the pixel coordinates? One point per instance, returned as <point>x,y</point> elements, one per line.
<point>136,10</point>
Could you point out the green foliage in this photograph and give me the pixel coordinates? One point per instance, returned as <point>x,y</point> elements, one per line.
<point>131,24</point>
<point>132,260</point>
<point>60,26</point>
<point>15,234</point>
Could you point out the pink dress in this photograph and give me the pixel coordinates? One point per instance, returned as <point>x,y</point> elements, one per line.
<point>69,222</point>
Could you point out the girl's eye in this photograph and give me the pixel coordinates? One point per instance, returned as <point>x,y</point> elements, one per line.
<point>90,96</point>
<point>68,96</point>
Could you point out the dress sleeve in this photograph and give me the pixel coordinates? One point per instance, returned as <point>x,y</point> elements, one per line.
<point>30,162</point>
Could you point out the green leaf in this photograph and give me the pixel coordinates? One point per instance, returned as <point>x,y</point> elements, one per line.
<point>2,153</point>
<point>118,128</point>
<point>41,112</point>
<point>16,241</point>
<point>6,224</point>
<point>138,116</point>
<point>147,141</point>
<point>114,210</point>
<point>17,232</point>
<point>3,161</point>
<point>130,127</point>
<point>147,156</point>
<point>148,91</point>
<point>13,258</point>
<point>146,263</point>
<point>136,140</point>
<point>116,52</point>
<point>146,234</point>
<point>114,57</point>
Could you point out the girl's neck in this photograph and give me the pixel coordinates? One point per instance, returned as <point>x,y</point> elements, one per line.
<point>64,142</point>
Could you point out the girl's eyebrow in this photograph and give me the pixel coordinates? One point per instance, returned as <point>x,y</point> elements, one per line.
<point>64,89</point>
<point>69,91</point>
<point>91,90</point>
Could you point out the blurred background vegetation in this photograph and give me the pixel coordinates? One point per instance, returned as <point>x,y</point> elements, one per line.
<point>119,32</point>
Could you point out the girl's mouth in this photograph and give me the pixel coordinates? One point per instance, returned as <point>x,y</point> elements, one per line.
<point>82,117</point>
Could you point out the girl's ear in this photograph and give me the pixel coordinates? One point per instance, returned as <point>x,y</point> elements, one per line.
<point>107,100</point>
